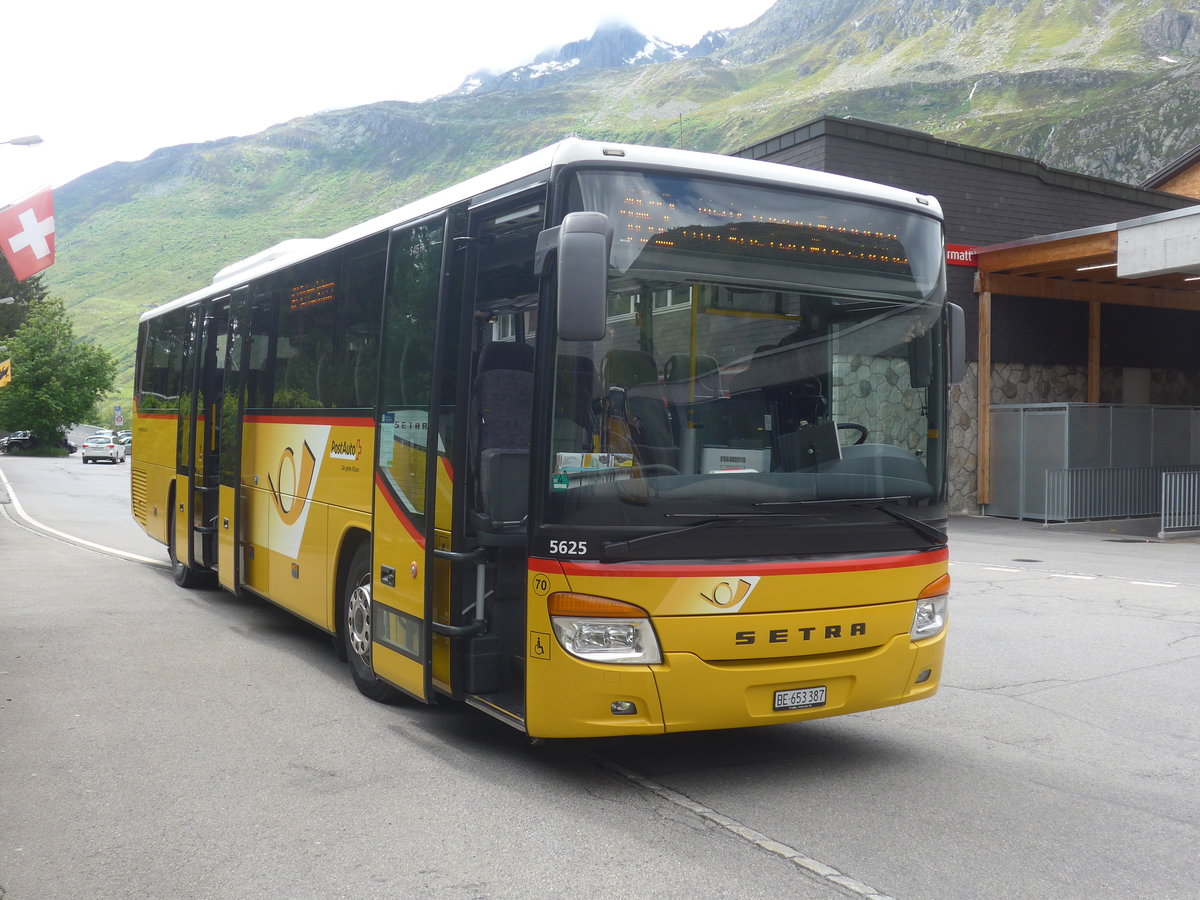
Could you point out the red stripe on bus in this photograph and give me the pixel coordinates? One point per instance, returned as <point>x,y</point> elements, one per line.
<point>675,570</point>
<point>398,510</point>
<point>361,421</point>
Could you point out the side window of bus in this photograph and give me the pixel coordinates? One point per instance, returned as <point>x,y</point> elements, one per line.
<point>258,365</point>
<point>409,319</point>
<point>162,356</point>
<point>353,383</point>
<point>305,359</point>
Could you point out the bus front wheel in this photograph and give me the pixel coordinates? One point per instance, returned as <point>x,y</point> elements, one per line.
<point>355,627</point>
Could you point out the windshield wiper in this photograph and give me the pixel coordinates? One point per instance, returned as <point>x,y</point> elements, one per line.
<point>922,528</point>
<point>706,521</point>
<point>877,503</point>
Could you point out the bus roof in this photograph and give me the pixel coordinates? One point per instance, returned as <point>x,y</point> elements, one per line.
<point>566,152</point>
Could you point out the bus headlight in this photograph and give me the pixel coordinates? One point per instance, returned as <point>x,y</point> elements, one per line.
<point>930,616</point>
<point>600,629</point>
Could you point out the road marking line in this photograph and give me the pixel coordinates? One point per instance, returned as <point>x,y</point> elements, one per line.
<point>810,866</point>
<point>1122,579</point>
<point>111,551</point>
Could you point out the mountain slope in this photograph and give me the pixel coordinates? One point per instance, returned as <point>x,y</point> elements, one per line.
<point>1103,87</point>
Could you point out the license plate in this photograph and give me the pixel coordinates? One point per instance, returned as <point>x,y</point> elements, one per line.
<point>800,698</point>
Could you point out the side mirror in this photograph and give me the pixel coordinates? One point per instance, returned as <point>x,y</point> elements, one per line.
<point>583,241</point>
<point>958,343</point>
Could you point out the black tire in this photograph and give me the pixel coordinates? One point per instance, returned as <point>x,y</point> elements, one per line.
<point>354,627</point>
<point>185,576</point>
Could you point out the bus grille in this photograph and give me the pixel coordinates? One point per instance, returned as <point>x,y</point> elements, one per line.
<point>137,493</point>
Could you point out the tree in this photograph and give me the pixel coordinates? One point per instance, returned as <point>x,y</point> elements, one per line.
<point>12,315</point>
<point>57,379</point>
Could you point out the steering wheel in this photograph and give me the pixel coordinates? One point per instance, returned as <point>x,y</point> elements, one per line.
<point>854,426</point>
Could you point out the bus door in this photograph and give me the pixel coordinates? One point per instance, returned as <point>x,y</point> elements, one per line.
<point>229,410</point>
<point>411,469</point>
<point>199,427</point>
<point>488,614</point>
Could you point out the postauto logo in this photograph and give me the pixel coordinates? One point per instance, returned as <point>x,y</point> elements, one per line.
<point>346,449</point>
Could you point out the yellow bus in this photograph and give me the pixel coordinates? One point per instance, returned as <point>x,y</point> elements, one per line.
<point>610,440</point>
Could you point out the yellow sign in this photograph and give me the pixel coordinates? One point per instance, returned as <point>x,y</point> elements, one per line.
<point>5,372</point>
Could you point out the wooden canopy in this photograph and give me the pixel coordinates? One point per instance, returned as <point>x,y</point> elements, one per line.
<point>1161,253</point>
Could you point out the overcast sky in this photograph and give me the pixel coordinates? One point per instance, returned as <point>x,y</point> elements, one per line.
<point>106,81</point>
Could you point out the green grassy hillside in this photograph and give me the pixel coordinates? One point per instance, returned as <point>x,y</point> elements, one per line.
<point>1078,84</point>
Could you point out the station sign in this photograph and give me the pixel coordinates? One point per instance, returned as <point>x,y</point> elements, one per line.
<point>961,255</point>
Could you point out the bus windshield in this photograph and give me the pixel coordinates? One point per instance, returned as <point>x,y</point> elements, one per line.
<point>769,352</point>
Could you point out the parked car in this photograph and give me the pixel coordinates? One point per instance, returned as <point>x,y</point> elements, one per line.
<point>102,447</point>
<point>27,440</point>
<point>18,440</point>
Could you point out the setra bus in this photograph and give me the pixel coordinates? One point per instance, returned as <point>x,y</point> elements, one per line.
<point>609,440</point>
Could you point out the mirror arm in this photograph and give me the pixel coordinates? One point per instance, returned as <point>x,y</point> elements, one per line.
<point>547,243</point>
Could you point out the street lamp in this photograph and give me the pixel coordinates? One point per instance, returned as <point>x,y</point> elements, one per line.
<point>26,141</point>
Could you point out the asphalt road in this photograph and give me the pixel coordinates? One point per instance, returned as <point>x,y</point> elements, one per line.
<point>186,744</point>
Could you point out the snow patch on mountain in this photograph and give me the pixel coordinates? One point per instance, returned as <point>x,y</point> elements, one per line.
<point>613,46</point>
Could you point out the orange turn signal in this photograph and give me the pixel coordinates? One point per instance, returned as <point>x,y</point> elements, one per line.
<point>566,603</point>
<point>936,588</point>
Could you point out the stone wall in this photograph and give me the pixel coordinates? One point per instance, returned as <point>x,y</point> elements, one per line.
<point>874,390</point>
<point>964,443</point>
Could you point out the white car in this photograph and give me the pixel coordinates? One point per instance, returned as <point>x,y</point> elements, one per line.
<point>99,446</point>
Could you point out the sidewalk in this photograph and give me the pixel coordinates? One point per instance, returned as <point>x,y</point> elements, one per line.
<point>1141,529</point>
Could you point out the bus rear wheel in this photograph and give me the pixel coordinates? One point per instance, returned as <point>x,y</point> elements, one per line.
<point>355,627</point>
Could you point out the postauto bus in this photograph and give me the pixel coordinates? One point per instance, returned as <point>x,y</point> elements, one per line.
<point>610,440</point>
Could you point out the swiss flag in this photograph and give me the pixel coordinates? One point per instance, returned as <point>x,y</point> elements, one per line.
<point>27,234</point>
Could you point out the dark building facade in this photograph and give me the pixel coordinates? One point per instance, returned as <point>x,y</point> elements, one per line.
<point>1039,347</point>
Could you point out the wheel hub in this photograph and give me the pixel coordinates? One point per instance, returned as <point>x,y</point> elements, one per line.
<point>358,621</point>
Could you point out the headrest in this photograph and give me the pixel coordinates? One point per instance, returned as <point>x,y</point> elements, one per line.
<point>506,355</point>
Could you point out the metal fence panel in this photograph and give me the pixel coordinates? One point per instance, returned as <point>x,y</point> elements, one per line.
<point>1132,436</point>
<point>1089,431</point>
<point>1118,452</point>
<point>1043,446</point>
<point>1180,502</point>
<point>1172,436</point>
<point>1077,495</point>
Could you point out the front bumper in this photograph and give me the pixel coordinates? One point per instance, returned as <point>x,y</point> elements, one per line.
<point>686,693</point>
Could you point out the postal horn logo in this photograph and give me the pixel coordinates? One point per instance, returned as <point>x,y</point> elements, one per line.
<point>729,595</point>
<point>289,504</point>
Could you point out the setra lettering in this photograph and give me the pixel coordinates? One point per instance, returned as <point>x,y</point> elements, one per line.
<point>784,635</point>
